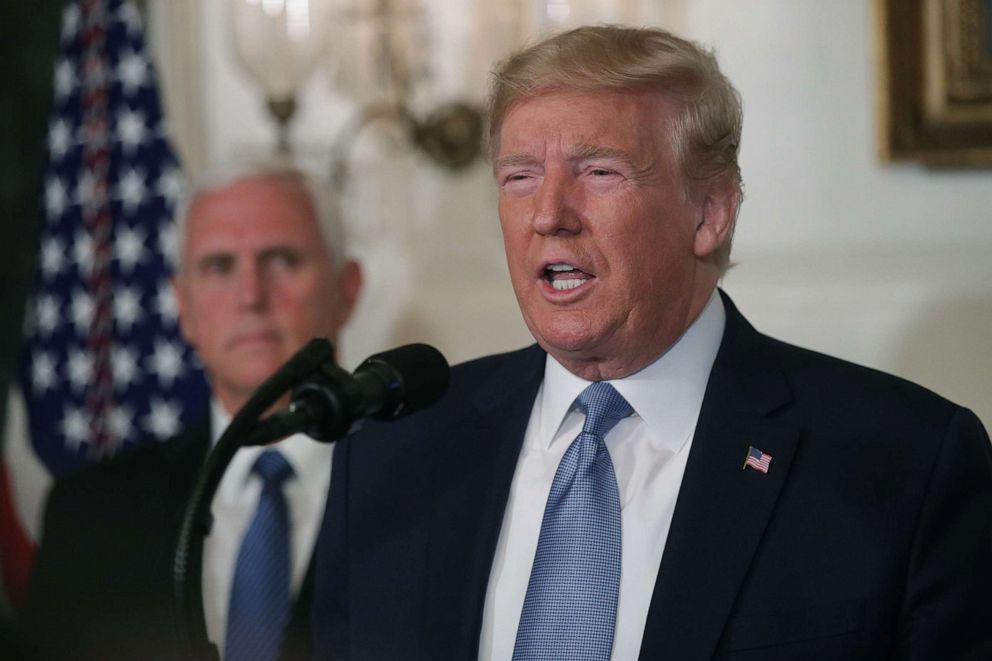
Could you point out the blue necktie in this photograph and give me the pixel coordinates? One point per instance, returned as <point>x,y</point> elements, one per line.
<point>570,609</point>
<point>260,595</point>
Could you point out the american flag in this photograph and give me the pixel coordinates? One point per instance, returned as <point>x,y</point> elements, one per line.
<point>104,365</point>
<point>757,460</point>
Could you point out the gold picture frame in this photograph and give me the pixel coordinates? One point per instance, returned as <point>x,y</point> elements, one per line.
<point>935,80</point>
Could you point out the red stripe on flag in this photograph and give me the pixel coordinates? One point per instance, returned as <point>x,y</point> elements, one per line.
<point>757,460</point>
<point>98,223</point>
<point>17,551</point>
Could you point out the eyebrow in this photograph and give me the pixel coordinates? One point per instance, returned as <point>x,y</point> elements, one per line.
<point>212,257</point>
<point>581,152</point>
<point>584,151</point>
<point>588,152</point>
<point>280,248</point>
<point>514,159</point>
<point>265,253</point>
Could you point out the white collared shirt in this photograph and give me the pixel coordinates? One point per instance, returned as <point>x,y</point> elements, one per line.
<point>649,451</point>
<point>234,506</point>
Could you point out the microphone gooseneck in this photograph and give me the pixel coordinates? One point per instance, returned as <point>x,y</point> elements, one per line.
<point>385,386</point>
<point>326,402</point>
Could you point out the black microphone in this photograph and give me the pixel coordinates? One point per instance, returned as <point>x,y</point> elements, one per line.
<point>386,385</point>
<point>326,402</point>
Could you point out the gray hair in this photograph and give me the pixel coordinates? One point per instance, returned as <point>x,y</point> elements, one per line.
<point>318,191</point>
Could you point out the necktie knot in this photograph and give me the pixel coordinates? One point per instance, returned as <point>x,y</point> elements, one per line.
<point>604,408</point>
<point>273,468</point>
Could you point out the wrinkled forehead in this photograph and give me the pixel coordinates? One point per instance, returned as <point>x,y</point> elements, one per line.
<point>632,125</point>
<point>664,100</point>
<point>251,213</point>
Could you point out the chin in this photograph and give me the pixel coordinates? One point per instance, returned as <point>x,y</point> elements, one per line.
<point>569,341</point>
<point>259,371</point>
<point>564,329</point>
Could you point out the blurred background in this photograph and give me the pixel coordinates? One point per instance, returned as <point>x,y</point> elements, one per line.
<point>837,249</point>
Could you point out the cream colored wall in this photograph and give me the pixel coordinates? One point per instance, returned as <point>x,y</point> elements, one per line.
<point>884,265</point>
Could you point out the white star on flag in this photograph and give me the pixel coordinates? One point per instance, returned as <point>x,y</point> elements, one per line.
<point>127,308</point>
<point>131,129</point>
<point>75,426</point>
<point>80,367</point>
<point>65,79</point>
<point>52,257</point>
<point>132,72</point>
<point>47,314</point>
<point>131,190</point>
<point>165,303</point>
<point>163,418</point>
<point>56,197</point>
<point>43,376</point>
<point>129,247</point>
<point>59,139</point>
<point>124,365</point>
<point>166,362</point>
<point>129,16</point>
<point>70,23</point>
<point>171,185</point>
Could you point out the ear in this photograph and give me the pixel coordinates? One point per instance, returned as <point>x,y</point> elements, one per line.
<point>349,284</point>
<point>718,213</point>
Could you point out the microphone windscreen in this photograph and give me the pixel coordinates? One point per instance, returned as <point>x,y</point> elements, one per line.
<point>423,370</point>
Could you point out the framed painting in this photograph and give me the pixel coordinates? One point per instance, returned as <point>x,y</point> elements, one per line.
<point>935,81</point>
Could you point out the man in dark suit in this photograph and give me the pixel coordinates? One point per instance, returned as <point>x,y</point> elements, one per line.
<point>261,271</point>
<point>725,495</point>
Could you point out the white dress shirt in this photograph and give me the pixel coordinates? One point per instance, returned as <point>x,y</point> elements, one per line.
<point>649,451</point>
<point>234,506</point>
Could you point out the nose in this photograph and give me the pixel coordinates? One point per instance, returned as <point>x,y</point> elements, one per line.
<point>251,289</point>
<point>555,210</point>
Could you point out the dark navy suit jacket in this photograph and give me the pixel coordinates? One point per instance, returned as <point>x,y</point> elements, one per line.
<point>102,587</point>
<point>870,537</point>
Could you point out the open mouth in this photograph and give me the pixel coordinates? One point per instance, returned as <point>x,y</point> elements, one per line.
<point>563,276</point>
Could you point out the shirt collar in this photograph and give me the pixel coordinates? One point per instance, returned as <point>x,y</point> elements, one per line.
<point>309,458</point>
<point>667,394</point>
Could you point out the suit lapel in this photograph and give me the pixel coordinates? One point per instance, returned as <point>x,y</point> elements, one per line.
<point>481,453</point>
<point>176,465</point>
<point>722,510</point>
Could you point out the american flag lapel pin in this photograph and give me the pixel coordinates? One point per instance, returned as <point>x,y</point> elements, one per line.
<point>757,459</point>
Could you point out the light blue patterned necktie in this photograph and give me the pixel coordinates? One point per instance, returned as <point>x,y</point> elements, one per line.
<point>571,605</point>
<point>260,595</point>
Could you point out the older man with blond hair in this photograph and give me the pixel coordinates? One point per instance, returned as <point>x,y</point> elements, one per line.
<point>654,478</point>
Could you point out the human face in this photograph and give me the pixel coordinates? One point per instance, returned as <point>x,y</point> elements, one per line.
<point>256,283</point>
<point>601,238</point>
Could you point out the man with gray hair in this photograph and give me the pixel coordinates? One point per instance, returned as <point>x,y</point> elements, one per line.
<point>261,270</point>
<point>654,478</point>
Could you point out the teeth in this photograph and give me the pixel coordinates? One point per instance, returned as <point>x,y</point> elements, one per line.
<point>561,267</point>
<point>562,285</point>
